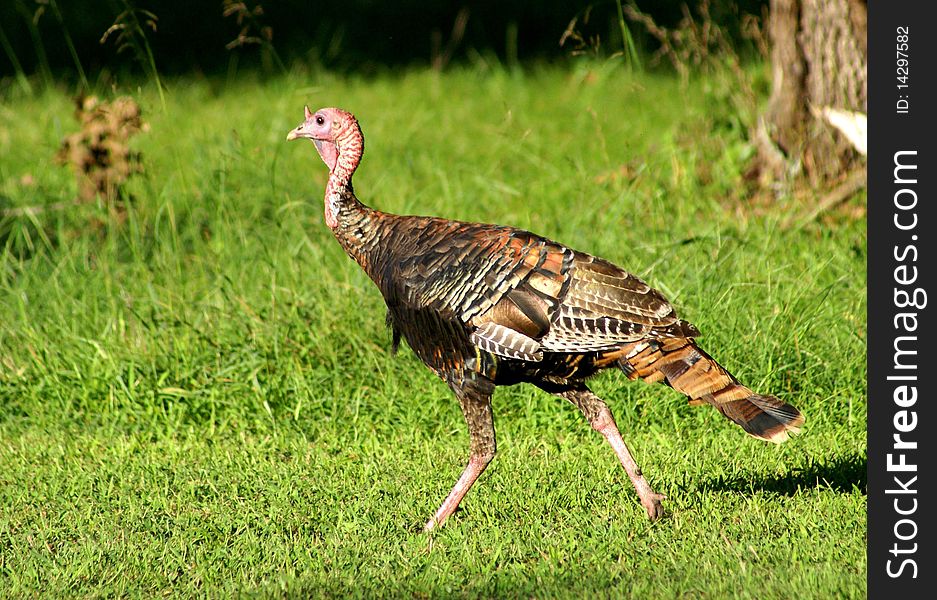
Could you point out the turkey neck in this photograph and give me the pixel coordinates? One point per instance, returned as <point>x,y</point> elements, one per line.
<point>355,225</point>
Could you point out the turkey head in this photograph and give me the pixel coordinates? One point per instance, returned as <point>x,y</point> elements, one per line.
<point>336,135</point>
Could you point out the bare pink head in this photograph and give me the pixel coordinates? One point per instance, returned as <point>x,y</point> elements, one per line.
<point>337,137</point>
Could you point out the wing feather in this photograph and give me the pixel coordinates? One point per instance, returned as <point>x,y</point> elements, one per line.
<point>519,294</point>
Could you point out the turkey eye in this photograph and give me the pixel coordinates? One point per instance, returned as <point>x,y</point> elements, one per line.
<point>320,120</point>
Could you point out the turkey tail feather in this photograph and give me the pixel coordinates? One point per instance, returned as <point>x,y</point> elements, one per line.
<point>684,366</point>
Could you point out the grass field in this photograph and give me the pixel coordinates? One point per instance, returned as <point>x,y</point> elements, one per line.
<point>201,400</point>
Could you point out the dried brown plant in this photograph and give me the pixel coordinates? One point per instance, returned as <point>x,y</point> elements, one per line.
<point>100,153</point>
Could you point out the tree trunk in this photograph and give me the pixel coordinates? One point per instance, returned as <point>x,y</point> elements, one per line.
<point>819,61</point>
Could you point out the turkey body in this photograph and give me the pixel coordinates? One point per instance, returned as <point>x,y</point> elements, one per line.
<point>477,300</point>
<point>487,305</point>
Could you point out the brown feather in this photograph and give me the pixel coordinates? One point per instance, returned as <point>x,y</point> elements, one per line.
<point>688,369</point>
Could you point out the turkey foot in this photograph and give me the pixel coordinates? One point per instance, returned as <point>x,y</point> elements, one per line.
<point>649,498</point>
<point>652,505</point>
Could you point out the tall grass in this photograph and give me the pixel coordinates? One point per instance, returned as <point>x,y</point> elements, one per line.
<point>21,77</point>
<point>129,30</point>
<point>83,79</point>
<point>629,49</point>
<point>30,19</point>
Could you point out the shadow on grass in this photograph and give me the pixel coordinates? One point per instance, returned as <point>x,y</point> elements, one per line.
<point>842,474</point>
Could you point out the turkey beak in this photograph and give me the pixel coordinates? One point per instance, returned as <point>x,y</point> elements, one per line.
<point>295,134</point>
<point>304,130</point>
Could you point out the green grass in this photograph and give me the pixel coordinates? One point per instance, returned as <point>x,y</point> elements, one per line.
<point>202,400</point>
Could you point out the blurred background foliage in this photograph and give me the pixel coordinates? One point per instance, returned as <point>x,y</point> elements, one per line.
<point>65,39</point>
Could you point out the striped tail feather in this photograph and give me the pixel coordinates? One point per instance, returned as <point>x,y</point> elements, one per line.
<point>684,366</point>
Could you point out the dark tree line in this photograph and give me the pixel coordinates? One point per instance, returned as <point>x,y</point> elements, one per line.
<point>361,35</point>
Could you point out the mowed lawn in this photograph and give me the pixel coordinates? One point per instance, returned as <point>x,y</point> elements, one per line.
<point>198,397</point>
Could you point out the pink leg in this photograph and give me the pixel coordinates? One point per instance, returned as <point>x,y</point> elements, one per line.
<point>474,468</point>
<point>649,498</point>
<point>601,419</point>
<point>476,407</point>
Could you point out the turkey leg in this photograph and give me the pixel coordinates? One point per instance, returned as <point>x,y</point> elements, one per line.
<point>477,412</point>
<point>601,419</point>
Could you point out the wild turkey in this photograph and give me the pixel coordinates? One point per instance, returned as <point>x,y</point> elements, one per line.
<point>487,305</point>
